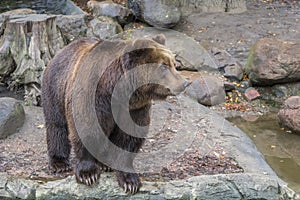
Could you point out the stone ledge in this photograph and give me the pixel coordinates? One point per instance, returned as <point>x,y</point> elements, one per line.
<point>222,186</point>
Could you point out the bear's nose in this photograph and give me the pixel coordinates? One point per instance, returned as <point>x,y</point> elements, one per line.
<point>186,84</point>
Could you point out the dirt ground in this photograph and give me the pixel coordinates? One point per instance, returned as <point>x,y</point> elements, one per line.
<point>237,33</point>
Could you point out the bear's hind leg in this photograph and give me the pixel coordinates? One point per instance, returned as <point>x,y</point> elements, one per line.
<point>58,148</point>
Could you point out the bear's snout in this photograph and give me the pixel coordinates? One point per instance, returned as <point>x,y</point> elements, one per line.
<point>181,87</point>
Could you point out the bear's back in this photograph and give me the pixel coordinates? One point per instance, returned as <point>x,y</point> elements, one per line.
<point>55,76</point>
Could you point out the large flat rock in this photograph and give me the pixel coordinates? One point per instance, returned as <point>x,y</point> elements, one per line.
<point>257,182</point>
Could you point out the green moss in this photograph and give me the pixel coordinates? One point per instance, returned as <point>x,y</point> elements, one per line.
<point>250,60</point>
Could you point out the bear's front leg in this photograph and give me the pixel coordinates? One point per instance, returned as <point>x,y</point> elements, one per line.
<point>88,169</point>
<point>130,182</point>
<point>127,178</point>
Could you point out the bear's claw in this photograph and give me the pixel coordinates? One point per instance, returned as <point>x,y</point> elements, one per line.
<point>87,172</point>
<point>130,182</point>
<point>105,168</point>
<point>131,189</point>
<point>88,179</point>
<point>60,167</point>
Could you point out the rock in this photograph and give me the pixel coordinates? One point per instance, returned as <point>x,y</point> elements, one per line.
<point>280,91</point>
<point>16,189</point>
<point>228,65</point>
<point>158,13</point>
<point>273,61</point>
<point>207,90</point>
<point>2,88</point>
<point>67,7</point>
<point>212,132</point>
<point>251,94</point>
<point>12,116</point>
<point>223,186</point>
<point>243,86</point>
<point>190,54</point>
<point>228,86</point>
<point>108,8</point>
<point>188,7</point>
<point>103,27</point>
<point>19,11</point>
<point>233,6</point>
<point>289,115</point>
<point>233,72</point>
<point>72,26</point>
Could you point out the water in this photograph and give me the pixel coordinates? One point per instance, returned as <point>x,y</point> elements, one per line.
<point>281,149</point>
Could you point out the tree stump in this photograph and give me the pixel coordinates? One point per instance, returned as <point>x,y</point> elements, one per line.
<point>27,43</point>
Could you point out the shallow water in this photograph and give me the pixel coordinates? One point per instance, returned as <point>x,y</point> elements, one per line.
<point>281,149</point>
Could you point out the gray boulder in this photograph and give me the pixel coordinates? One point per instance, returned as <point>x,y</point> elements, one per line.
<point>72,26</point>
<point>207,90</point>
<point>187,7</point>
<point>103,27</point>
<point>228,65</point>
<point>280,91</point>
<point>274,61</point>
<point>233,72</point>
<point>232,6</point>
<point>190,54</point>
<point>289,115</point>
<point>158,13</point>
<point>67,7</point>
<point>108,8</point>
<point>12,116</point>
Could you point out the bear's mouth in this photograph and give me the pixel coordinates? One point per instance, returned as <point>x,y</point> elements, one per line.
<point>162,93</point>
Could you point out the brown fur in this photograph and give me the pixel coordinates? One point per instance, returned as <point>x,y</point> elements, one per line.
<point>57,89</point>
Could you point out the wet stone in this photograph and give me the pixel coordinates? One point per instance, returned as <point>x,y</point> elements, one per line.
<point>289,115</point>
<point>251,94</point>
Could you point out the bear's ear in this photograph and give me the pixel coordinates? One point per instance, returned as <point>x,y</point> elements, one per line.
<point>160,38</point>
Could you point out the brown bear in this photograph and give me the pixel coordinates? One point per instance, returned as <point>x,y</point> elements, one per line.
<point>58,86</point>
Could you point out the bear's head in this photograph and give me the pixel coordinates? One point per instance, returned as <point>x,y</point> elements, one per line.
<point>154,68</point>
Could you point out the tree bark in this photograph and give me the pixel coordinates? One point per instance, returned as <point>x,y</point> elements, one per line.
<point>27,44</point>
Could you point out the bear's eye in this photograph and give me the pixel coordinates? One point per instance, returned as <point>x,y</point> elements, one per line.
<point>164,67</point>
